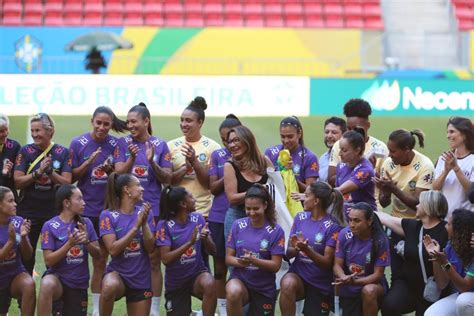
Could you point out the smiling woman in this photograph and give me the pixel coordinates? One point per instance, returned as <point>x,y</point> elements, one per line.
<point>39,167</point>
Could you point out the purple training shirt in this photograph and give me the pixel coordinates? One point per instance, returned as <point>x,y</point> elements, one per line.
<point>12,264</point>
<point>220,204</point>
<point>174,235</point>
<point>93,183</point>
<point>72,270</point>
<point>133,264</point>
<point>320,234</point>
<point>142,169</point>
<point>261,242</point>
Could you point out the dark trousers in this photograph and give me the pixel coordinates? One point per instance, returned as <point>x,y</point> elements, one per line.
<point>396,262</point>
<point>35,232</point>
<point>404,298</point>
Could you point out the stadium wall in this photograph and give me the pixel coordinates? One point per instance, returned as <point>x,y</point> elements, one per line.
<point>242,95</point>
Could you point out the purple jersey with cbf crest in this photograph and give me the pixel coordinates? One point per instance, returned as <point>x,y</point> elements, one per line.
<point>190,264</point>
<point>320,234</point>
<point>304,166</point>
<point>458,265</point>
<point>12,264</point>
<point>72,270</point>
<point>38,198</point>
<point>94,181</point>
<point>356,254</point>
<point>142,169</point>
<point>220,204</point>
<point>361,175</point>
<point>133,264</point>
<point>260,242</point>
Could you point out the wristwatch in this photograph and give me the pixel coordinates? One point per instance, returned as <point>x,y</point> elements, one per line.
<point>446,266</point>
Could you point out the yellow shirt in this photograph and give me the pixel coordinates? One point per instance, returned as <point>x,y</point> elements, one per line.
<point>203,148</point>
<point>418,174</point>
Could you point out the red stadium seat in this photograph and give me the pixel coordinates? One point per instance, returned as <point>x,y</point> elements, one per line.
<point>33,18</point>
<point>333,9</point>
<point>466,25</point>
<point>154,18</point>
<point>334,22</point>
<point>173,7</point>
<point>252,9</point>
<point>11,19</point>
<point>133,7</point>
<point>294,20</point>
<point>194,20</point>
<point>314,20</point>
<point>133,19</point>
<point>50,7</point>
<point>212,19</point>
<point>53,18</point>
<point>273,8</point>
<point>113,19</point>
<point>231,8</point>
<point>151,6</point>
<point>372,10</point>
<point>292,8</point>
<point>93,7</point>
<point>274,20</point>
<point>233,19</point>
<point>193,6</point>
<point>353,10</point>
<point>213,8</point>
<point>312,8</point>
<point>73,7</point>
<point>354,22</point>
<point>72,18</point>
<point>92,19</point>
<point>373,23</point>
<point>174,19</point>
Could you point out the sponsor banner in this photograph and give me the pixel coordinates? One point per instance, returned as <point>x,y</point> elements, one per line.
<point>163,95</point>
<point>395,97</point>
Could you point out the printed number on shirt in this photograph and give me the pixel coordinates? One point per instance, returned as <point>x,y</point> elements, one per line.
<point>348,235</point>
<point>170,223</point>
<point>327,224</point>
<point>112,142</point>
<point>270,229</point>
<point>155,142</point>
<point>83,141</point>
<point>242,225</point>
<point>194,218</point>
<point>303,216</point>
<point>55,225</point>
<point>274,151</point>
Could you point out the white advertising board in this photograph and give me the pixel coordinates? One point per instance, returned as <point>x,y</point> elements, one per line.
<point>163,95</point>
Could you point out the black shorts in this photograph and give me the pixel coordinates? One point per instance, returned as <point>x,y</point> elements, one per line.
<point>217,233</point>
<point>178,301</point>
<point>316,302</point>
<point>5,299</point>
<point>74,301</point>
<point>136,295</point>
<point>351,306</point>
<point>260,304</point>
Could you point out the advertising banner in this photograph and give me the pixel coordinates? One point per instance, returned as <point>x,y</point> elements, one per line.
<point>435,97</point>
<point>163,95</point>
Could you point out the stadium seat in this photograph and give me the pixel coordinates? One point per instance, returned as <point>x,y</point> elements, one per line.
<point>213,8</point>
<point>92,19</point>
<point>194,19</point>
<point>274,20</point>
<point>153,18</point>
<point>53,18</point>
<point>233,19</point>
<point>334,22</point>
<point>292,8</point>
<point>174,19</point>
<point>212,19</point>
<point>314,20</point>
<point>465,25</point>
<point>32,18</point>
<point>133,19</point>
<point>312,8</point>
<point>373,23</point>
<point>11,19</point>
<point>254,20</point>
<point>294,20</point>
<point>113,19</point>
<point>371,9</point>
<point>354,22</point>
<point>72,18</point>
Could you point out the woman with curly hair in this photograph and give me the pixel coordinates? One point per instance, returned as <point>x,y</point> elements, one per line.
<point>455,264</point>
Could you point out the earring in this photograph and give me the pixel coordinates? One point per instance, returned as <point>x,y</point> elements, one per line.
<point>130,195</point>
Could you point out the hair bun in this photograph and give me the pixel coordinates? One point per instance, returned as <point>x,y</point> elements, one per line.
<point>142,104</point>
<point>360,131</point>
<point>232,116</point>
<point>199,102</point>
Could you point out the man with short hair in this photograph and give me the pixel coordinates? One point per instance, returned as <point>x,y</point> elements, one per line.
<point>357,112</point>
<point>334,127</point>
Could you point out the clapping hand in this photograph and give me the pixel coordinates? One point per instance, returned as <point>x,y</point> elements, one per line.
<point>25,228</point>
<point>205,231</point>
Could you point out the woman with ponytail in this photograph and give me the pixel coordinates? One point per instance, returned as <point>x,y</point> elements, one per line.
<point>312,243</point>
<point>404,175</point>
<point>92,161</point>
<point>180,234</point>
<point>354,173</point>
<point>127,231</point>
<point>219,208</point>
<point>15,282</point>
<point>304,162</point>
<point>362,253</point>
<point>66,240</point>
<point>148,159</point>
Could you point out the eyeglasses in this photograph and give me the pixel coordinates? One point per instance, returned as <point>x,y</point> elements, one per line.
<point>234,140</point>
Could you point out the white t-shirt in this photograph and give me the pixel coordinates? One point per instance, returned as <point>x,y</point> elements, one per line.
<point>452,188</point>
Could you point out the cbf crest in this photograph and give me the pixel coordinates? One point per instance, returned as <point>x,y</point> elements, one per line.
<point>28,51</point>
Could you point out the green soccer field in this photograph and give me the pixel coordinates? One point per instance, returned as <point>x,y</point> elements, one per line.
<point>266,132</point>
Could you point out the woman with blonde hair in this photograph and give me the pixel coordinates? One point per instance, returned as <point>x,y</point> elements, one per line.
<point>406,292</point>
<point>39,167</point>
